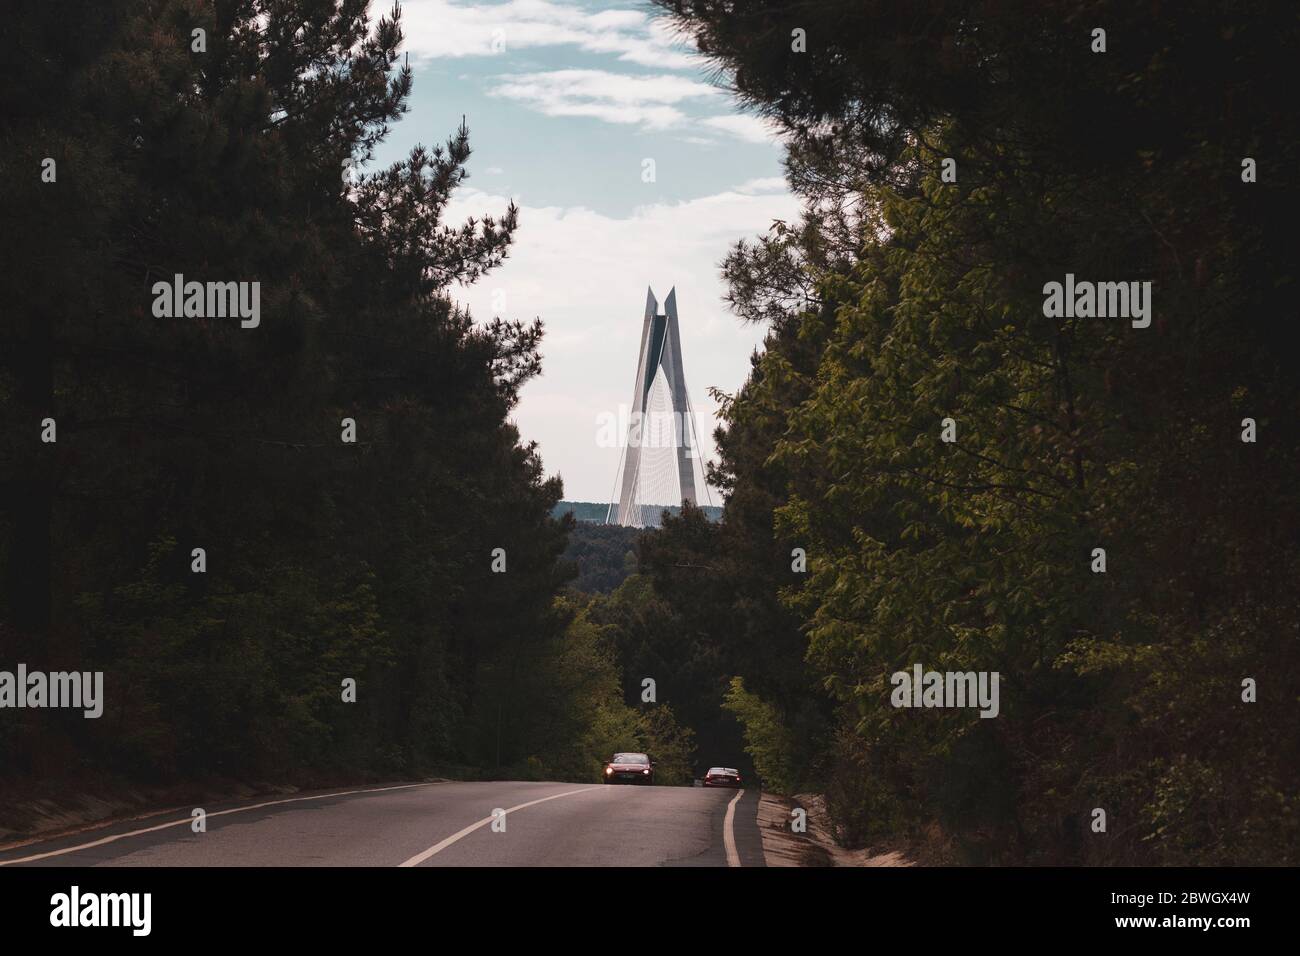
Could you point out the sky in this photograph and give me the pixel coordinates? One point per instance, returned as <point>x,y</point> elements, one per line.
<point>566,101</point>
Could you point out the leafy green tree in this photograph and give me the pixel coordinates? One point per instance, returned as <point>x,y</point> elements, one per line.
<point>903,298</point>
<point>670,745</point>
<point>768,739</point>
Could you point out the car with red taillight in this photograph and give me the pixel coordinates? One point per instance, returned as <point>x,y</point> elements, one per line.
<point>722,777</point>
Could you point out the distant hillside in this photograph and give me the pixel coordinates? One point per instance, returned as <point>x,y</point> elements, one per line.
<point>603,555</point>
<point>596,511</point>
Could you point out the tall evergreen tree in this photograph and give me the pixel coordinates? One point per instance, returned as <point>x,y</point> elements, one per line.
<point>232,142</point>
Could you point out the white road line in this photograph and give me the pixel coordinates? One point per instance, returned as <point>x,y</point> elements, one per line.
<point>439,847</point>
<point>187,820</point>
<point>729,831</point>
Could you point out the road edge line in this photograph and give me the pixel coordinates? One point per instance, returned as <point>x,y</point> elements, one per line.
<point>729,830</point>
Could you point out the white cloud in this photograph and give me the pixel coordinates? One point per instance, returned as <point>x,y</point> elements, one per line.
<point>450,29</point>
<point>585,274</point>
<point>443,28</point>
<point>649,100</point>
<point>764,184</point>
<point>613,97</point>
<point>752,129</point>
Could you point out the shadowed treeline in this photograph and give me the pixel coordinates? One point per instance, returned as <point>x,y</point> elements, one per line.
<point>199,526</point>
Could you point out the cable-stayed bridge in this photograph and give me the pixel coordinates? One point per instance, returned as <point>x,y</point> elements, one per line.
<point>660,455</point>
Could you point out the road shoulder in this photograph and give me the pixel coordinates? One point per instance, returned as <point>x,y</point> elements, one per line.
<point>815,847</point>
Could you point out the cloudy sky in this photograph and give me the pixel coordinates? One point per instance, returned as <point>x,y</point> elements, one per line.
<point>565,102</point>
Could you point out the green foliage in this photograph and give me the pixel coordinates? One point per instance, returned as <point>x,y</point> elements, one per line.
<point>670,745</point>
<point>567,700</point>
<point>564,710</point>
<point>599,553</point>
<point>768,740</point>
<point>654,639</point>
<point>900,300</point>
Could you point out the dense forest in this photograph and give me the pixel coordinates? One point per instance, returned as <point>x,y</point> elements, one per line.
<point>950,454</point>
<point>599,512</point>
<point>602,556</point>
<point>234,521</point>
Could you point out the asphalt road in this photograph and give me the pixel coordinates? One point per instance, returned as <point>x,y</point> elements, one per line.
<point>438,824</point>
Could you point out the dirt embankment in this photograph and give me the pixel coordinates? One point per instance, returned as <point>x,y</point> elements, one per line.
<point>817,846</point>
